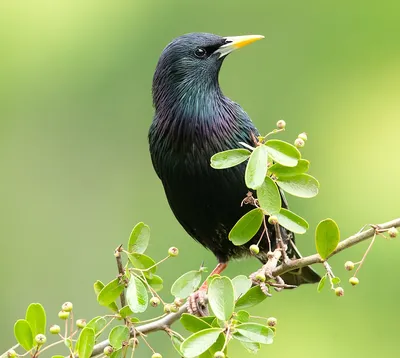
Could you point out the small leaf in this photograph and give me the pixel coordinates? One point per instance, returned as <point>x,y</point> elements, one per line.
<point>118,335</point>
<point>36,317</point>
<point>336,280</point>
<point>302,185</point>
<point>241,285</point>
<point>252,297</point>
<point>280,170</point>
<point>221,297</point>
<point>186,284</point>
<point>246,227</point>
<point>242,316</point>
<point>139,239</point>
<point>156,282</point>
<point>136,295</point>
<point>321,283</point>
<point>84,345</point>
<point>98,286</point>
<point>327,237</point>
<point>23,334</point>
<point>193,323</point>
<point>199,342</point>
<point>110,292</point>
<point>269,197</point>
<point>283,152</point>
<point>97,324</point>
<point>143,262</point>
<point>257,333</point>
<point>125,312</point>
<point>176,343</point>
<point>256,168</point>
<point>229,158</point>
<point>251,347</point>
<point>291,221</point>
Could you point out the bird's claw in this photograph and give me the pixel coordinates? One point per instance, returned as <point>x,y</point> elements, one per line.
<point>197,303</point>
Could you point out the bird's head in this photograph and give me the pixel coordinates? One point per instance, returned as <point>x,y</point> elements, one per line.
<point>191,63</point>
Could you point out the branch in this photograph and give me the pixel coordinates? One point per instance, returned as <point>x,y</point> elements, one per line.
<point>166,321</point>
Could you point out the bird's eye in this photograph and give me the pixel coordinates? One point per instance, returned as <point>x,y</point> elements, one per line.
<point>200,52</point>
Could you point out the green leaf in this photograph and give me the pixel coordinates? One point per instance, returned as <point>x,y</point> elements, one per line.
<point>217,346</point>
<point>283,152</point>
<point>269,197</point>
<point>118,335</point>
<point>186,284</point>
<point>321,283</point>
<point>221,297</point>
<point>280,170</point>
<point>143,262</point>
<point>335,280</point>
<point>256,168</point>
<point>252,297</point>
<point>57,356</point>
<point>176,343</point>
<point>291,221</point>
<point>110,292</point>
<point>136,295</point>
<point>327,237</point>
<point>97,324</point>
<point>36,317</point>
<point>193,323</point>
<point>156,282</point>
<point>242,316</point>
<point>251,347</point>
<point>98,286</point>
<point>117,353</point>
<point>229,158</point>
<point>139,239</point>
<point>257,333</point>
<point>241,285</point>
<point>23,334</point>
<point>84,345</point>
<point>199,342</point>
<point>246,227</point>
<point>125,312</point>
<point>302,185</point>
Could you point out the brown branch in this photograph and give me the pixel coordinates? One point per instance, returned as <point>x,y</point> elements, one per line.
<point>121,271</point>
<point>166,321</point>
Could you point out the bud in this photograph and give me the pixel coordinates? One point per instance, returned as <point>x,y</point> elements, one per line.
<point>133,342</point>
<point>281,124</point>
<point>303,136</point>
<point>81,323</point>
<point>260,277</point>
<point>273,220</point>
<point>299,143</point>
<point>54,329</point>
<point>178,302</point>
<point>349,265</point>
<point>219,354</point>
<point>156,355</point>
<point>339,291</point>
<point>67,307</point>
<point>272,321</point>
<point>173,251</point>
<point>393,232</point>
<point>108,350</point>
<point>354,281</point>
<point>155,301</point>
<point>40,339</point>
<point>11,353</point>
<point>254,249</point>
<point>63,314</point>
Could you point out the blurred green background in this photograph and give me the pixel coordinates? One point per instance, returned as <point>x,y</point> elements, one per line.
<point>75,107</point>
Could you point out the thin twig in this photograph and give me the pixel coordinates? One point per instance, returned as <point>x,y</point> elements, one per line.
<point>121,271</point>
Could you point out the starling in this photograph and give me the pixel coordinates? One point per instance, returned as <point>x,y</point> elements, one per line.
<point>194,120</point>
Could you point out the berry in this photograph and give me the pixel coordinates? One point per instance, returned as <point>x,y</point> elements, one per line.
<point>40,339</point>
<point>349,265</point>
<point>393,232</point>
<point>303,136</point>
<point>354,281</point>
<point>273,220</point>
<point>108,350</point>
<point>167,308</point>
<point>11,353</point>
<point>174,308</point>
<point>178,302</point>
<point>54,329</point>
<point>133,342</point>
<point>173,251</point>
<point>272,321</point>
<point>339,291</point>
<point>155,301</point>
<point>63,314</point>
<point>81,323</point>
<point>260,277</point>
<point>156,355</point>
<point>281,124</point>
<point>219,354</point>
<point>299,143</point>
<point>67,307</point>
<point>254,249</point>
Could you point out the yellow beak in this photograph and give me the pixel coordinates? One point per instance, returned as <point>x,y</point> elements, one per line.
<point>236,42</point>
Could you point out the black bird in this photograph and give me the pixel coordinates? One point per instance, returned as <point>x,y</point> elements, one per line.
<point>194,120</point>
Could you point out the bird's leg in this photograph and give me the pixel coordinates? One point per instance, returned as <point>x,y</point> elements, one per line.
<point>197,301</point>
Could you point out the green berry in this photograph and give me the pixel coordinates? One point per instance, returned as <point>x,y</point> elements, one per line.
<point>393,232</point>
<point>156,355</point>
<point>219,354</point>
<point>354,281</point>
<point>273,220</point>
<point>260,277</point>
<point>67,306</point>
<point>108,350</point>
<point>167,308</point>
<point>299,143</point>
<point>11,353</point>
<point>40,339</point>
<point>174,308</point>
<point>303,136</point>
<point>81,323</point>
<point>339,291</point>
<point>133,342</point>
<point>178,302</point>
<point>349,265</point>
<point>155,301</point>
<point>63,314</point>
<point>254,249</point>
<point>281,124</point>
<point>272,322</point>
<point>173,251</point>
<point>54,329</point>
